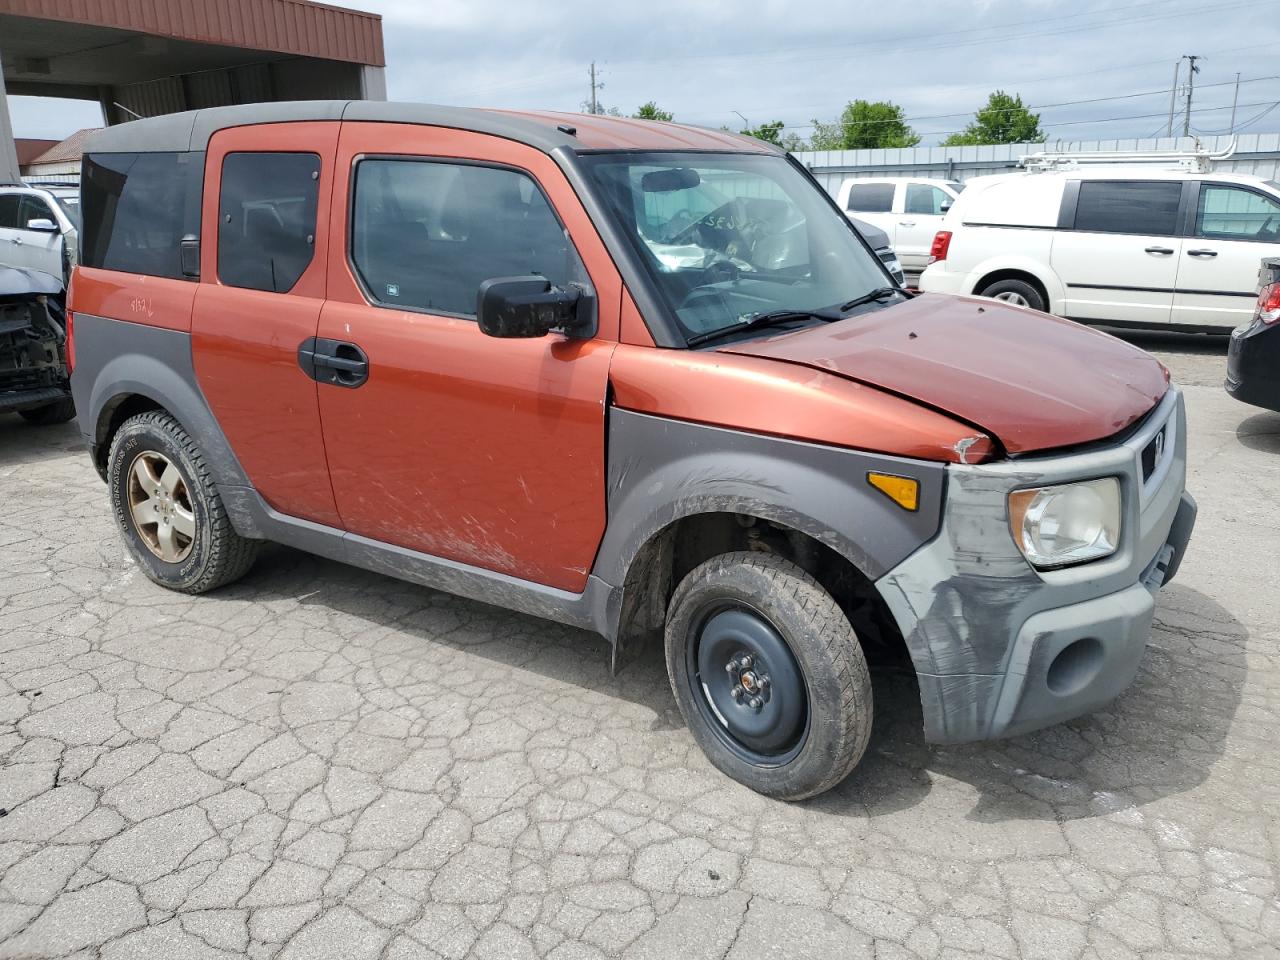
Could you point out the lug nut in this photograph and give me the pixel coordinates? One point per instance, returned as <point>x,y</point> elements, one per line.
<point>755,703</point>
<point>731,666</point>
<point>737,693</point>
<point>763,680</point>
<point>746,661</point>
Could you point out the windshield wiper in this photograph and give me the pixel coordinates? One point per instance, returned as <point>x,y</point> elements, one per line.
<point>879,293</point>
<point>770,318</point>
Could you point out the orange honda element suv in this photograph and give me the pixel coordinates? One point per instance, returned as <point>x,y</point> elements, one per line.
<point>635,377</point>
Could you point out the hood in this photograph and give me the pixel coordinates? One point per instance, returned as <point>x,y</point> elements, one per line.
<point>1032,381</point>
<point>876,238</point>
<point>21,282</point>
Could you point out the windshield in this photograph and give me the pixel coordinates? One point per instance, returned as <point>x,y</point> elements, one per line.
<point>728,237</point>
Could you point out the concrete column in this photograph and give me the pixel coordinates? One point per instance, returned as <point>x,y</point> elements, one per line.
<point>8,150</point>
<point>373,83</point>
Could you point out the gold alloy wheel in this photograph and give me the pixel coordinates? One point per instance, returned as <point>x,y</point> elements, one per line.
<point>161,506</point>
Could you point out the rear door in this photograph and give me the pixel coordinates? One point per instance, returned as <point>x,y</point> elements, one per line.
<point>1233,228</point>
<point>1117,249</point>
<point>42,249</point>
<point>872,201</point>
<point>262,264</point>
<point>921,218</point>
<point>448,442</point>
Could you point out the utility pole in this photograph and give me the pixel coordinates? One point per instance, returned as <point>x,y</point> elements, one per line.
<point>595,104</point>
<point>1191,89</point>
<point>1234,99</point>
<point>1173,98</point>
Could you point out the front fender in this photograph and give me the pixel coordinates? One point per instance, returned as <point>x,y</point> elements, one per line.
<point>661,470</point>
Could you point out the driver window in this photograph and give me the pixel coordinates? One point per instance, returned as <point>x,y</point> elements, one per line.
<point>924,198</point>
<point>33,208</point>
<point>1230,213</point>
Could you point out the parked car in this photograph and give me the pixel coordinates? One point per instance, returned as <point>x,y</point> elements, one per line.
<point>1253,359</point>
<point>878,240</point>
<point>39,227</point>
<point>908,209</point>
<point>1121,246</point>
<point>33,348</point>
<point>511,356</point>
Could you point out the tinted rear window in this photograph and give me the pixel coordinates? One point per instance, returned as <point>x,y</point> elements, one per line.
<point>137,207</point>
<point>871,197</point>
<point>9,209</point>
<point>267,222</point>
<point>1143,208</point>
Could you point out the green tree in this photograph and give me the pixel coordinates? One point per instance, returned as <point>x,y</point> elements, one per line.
<point>651,111</point>
<point>826,136</point>
<point>864,125</point>
<point>768,132</point>
<point>1003,120</point>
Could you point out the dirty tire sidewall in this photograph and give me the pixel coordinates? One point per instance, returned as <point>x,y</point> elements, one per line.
<point>824,645</point>
<point>201,569</point>
<point>1028,292</point>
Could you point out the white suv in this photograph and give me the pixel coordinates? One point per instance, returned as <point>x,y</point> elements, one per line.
<point>1126,246</point>
<point>908,209</point>
<point>39,227</point>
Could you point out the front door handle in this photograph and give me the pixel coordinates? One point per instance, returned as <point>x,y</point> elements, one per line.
<point>18,241</point>
<point>906,223</point>
<point>333,361</point>
<point>1202,253</point>
<point>1165,251</point>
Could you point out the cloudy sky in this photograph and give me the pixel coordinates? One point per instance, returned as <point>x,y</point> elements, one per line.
<point>709,60</point>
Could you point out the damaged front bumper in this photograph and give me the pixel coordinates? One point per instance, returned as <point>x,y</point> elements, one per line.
<point>1001,648</point>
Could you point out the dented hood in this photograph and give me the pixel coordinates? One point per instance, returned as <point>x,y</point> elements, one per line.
<point>1032,381</point>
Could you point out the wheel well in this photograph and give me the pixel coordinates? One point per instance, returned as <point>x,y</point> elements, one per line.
<point>668,556</point>
<point>113,414</point>
<point>997,275</point>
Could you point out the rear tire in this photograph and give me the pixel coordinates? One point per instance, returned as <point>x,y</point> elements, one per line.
<point>60,411</point>
<point>168,508</point>
<point>769,675</point>
<point>1018,292</point>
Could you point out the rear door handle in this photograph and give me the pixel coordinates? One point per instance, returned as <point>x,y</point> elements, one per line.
<point>1161,250</point>
<point>333,361</point>
<point>1202,253</point>
<point>18,241</point>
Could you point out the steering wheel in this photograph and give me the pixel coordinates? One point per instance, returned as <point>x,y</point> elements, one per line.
<point>1267,231</point>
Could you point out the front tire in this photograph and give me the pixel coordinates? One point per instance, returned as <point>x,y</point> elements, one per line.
<point>1018,292</point>
<point>168,508</point>
<point>60,411</point>
<point>769,675</point>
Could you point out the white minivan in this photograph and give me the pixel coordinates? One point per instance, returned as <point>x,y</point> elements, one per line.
<point>1125,246</point>
<point>908,209</point>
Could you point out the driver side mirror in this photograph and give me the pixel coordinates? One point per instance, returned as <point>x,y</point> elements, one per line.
<point>526,307</point>
<point>43,225</point>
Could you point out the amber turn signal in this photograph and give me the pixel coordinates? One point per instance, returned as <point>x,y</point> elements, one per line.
<point>903,491</point>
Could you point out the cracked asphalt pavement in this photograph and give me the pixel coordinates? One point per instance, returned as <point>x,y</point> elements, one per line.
<point>323,763</point>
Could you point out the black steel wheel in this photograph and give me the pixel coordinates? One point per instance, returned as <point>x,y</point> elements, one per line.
<point>769,674</point>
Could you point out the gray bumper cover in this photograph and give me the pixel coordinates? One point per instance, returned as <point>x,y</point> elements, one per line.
<point>1001,648</point>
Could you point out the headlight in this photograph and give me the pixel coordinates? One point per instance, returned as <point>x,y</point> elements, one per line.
<point>1070,523</point>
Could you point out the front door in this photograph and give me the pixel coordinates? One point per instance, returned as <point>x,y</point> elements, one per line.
<point>1120,260</point>
<point>920,220</point>
<point>12,250</point>
<point>1235,227</point>
<point>445,441</point>
<point>262,267</point>
<point>41,249</point>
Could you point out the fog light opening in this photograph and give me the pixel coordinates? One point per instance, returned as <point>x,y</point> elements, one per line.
<point>1075,667</point>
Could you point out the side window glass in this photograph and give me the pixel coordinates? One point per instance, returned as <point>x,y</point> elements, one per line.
<point>1234,214</point>
<point>9,209</point>
<point>33,208</point>
<point>871,197</point>
<point>426,234</point>
<point>267,219</point>
<point>924,198</point>
<point>137,207</point>
<point>1137,207</point>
